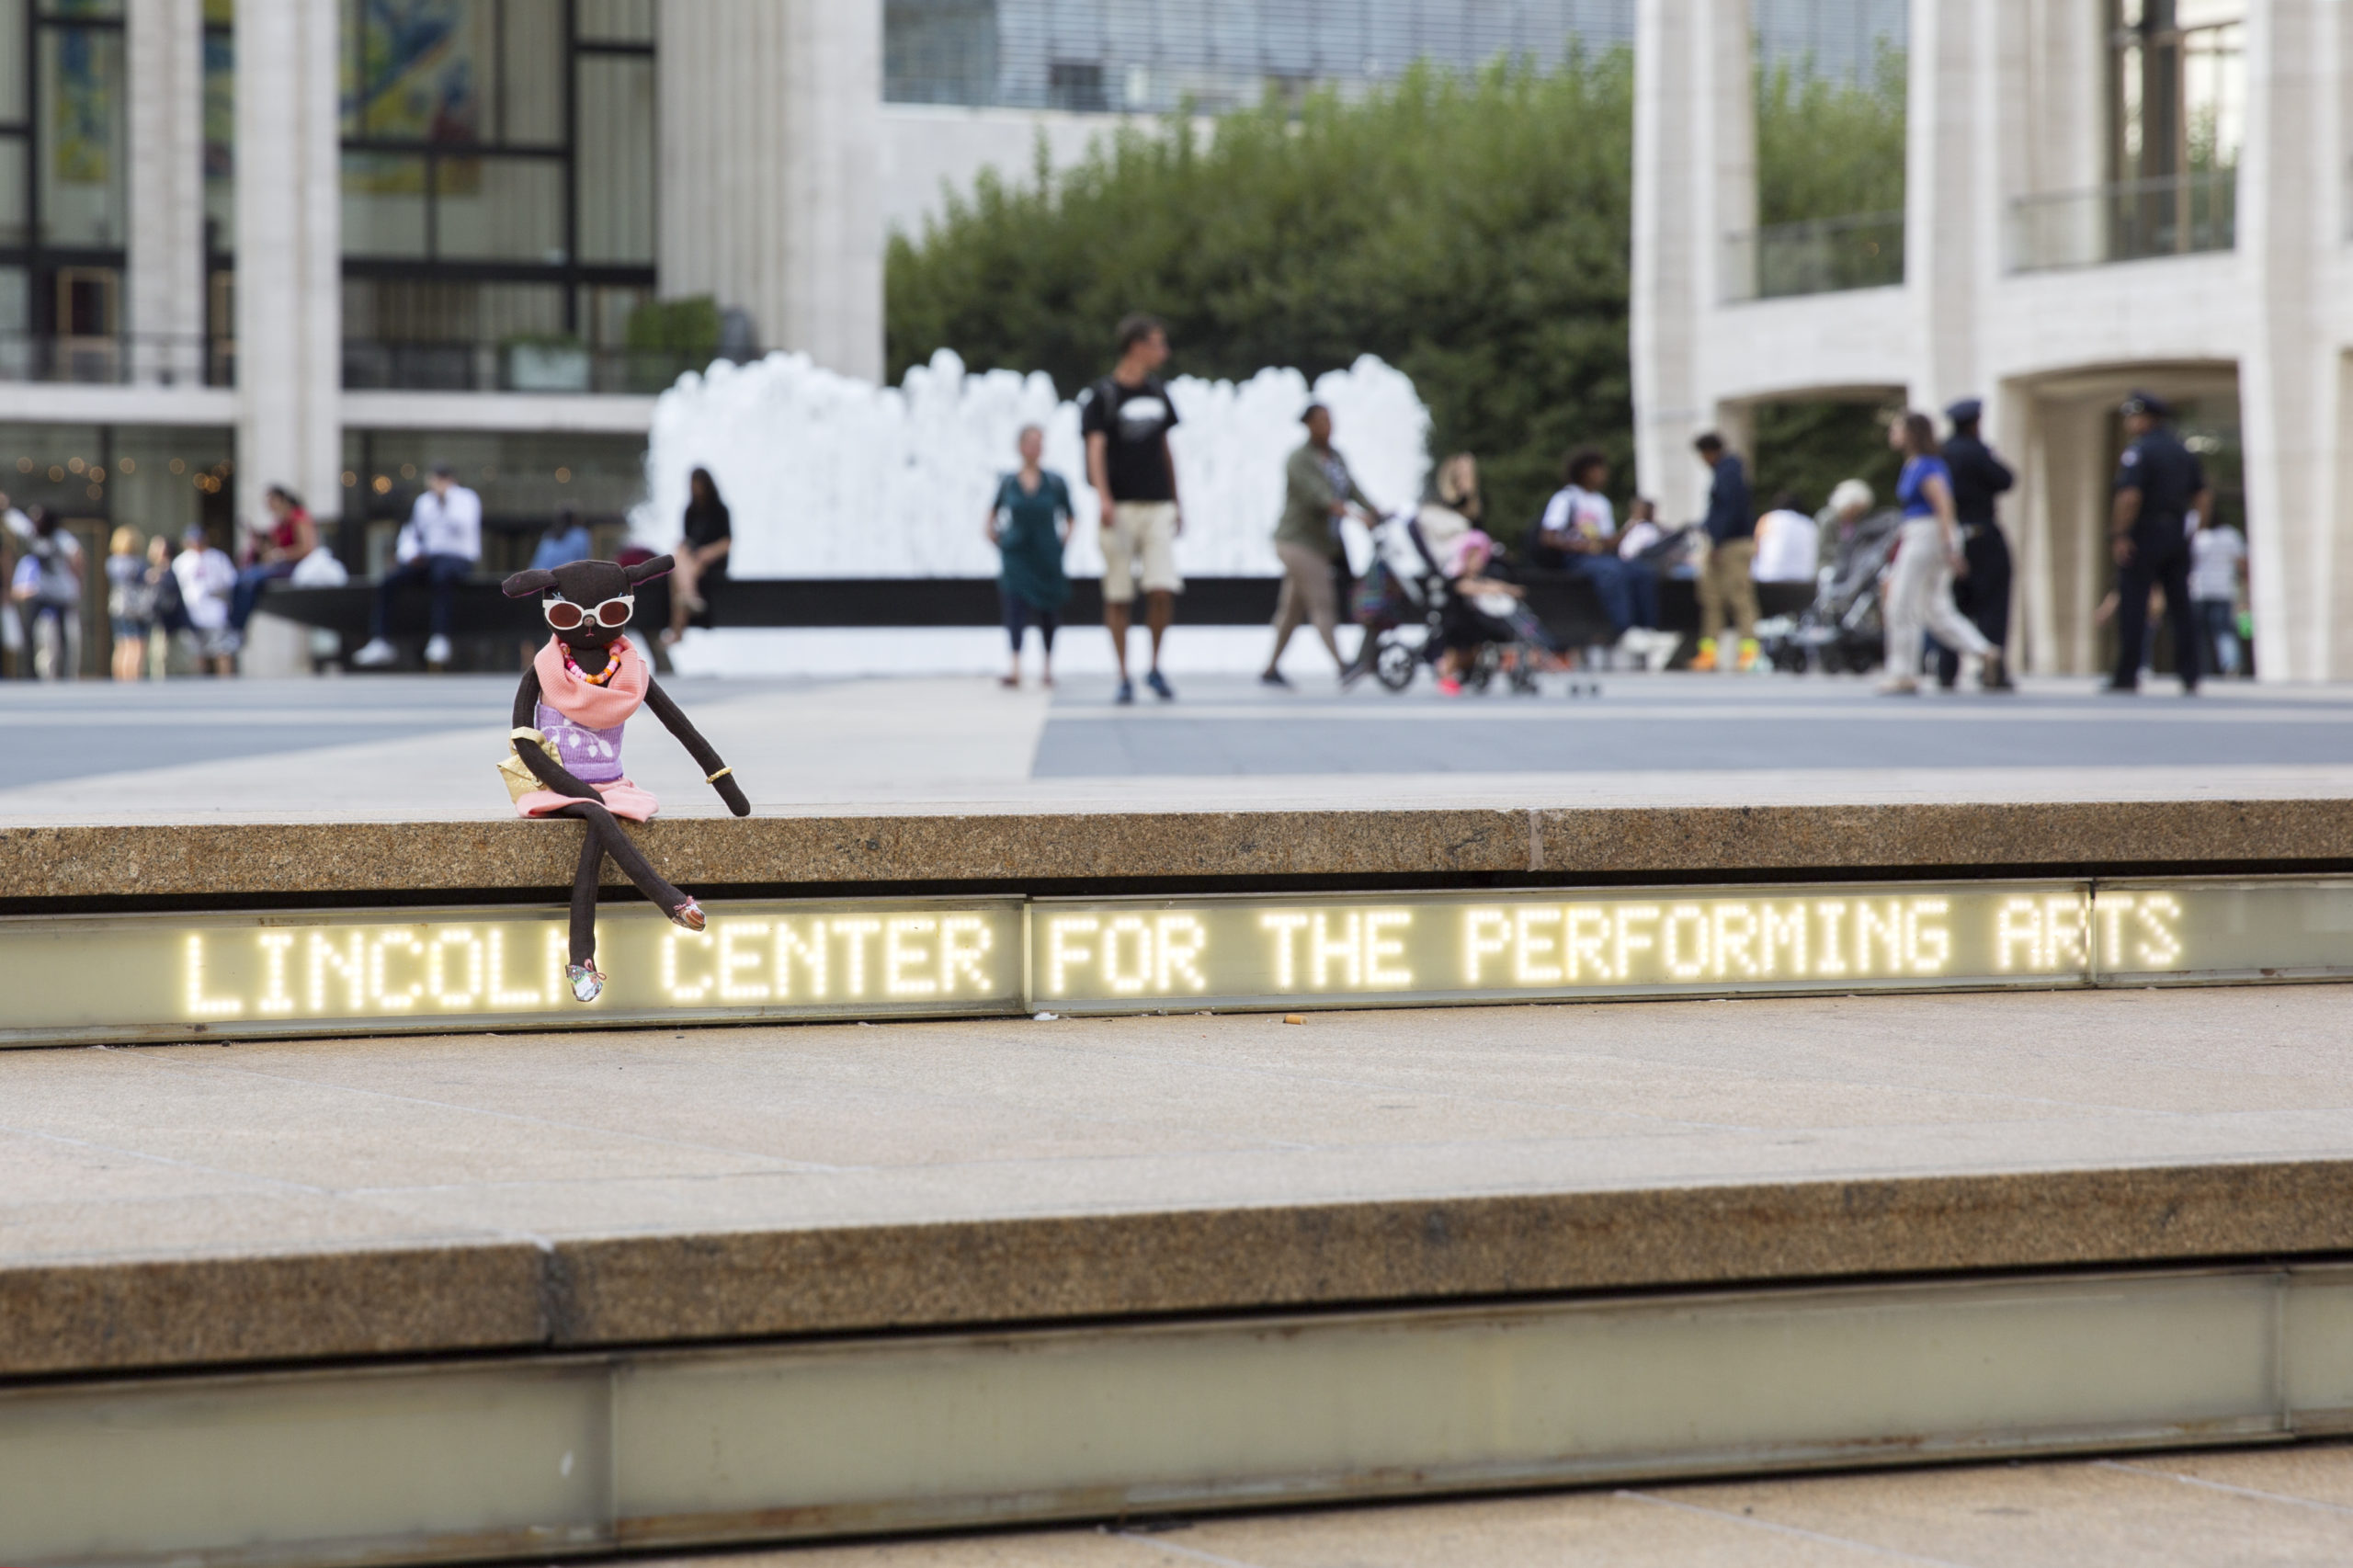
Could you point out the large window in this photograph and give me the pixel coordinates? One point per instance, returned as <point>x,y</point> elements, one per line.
<point>497,191</point>
<point>63,151</point>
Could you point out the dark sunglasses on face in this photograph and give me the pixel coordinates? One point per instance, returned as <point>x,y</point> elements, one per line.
<point>564,616</point>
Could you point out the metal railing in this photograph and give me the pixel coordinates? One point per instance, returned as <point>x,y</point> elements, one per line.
<point>144,359</point>
<point>526,366</point>
<point>1822,256</point>
<point>2128,220</point>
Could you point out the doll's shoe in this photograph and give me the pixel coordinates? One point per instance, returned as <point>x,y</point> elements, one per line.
<point>586,983</point>
<point>688,915</point>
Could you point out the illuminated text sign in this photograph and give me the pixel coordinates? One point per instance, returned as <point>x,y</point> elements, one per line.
<point>161,977</point>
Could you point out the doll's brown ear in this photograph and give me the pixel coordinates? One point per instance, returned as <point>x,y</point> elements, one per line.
<point>646,571</point>
<point>523,585</point>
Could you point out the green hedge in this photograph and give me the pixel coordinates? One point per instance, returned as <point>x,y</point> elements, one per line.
<point>1472,230</point>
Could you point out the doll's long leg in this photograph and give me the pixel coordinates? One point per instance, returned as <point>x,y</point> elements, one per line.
<point>626,854</point>
<point>584,895</point>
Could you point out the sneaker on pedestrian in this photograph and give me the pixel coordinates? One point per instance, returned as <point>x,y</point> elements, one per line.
<point>1449,687</point>
<point>1705,659</point>
<point>375,654</point>
<point>2119,688</point>
<point>436,650</point>
<point>1751,656</point>
<point>1159,684</point>
<point>1275,678</point>
<point>1899,686</point>
<point>1127,692</point>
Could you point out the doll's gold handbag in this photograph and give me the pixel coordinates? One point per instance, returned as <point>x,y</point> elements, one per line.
<point>514,772</point>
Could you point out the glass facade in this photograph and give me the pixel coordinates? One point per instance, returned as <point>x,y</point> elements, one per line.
<point>523,478</point>
<point>1152,56</point>
<point>498,190</point>
<point>63,180</point>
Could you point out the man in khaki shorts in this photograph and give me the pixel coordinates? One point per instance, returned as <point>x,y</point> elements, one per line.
<point>1126,417</point>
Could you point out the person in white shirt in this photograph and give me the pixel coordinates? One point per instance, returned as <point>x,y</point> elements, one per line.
<point>440,546</point>
<point>1578,535</point>
<point>207,577</point>
<point>1788,543</point>
<point>2217,567</point>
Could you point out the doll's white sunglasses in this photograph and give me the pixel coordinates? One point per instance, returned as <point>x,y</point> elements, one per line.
<point>565,615</point>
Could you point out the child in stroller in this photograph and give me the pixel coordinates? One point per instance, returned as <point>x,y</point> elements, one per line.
<point>1485,624</point>
<point>1436,594</point>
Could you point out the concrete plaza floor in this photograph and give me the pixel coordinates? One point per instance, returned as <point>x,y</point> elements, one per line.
<point>187,1151</point>
<point>410,746</point>
<point>2272,1507</point>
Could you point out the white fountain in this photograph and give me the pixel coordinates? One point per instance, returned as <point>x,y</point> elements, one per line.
<point>828,476</point>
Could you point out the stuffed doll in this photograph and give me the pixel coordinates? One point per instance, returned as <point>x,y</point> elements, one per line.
<point>580,690</point>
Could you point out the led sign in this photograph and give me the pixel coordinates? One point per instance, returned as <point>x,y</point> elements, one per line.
<point>163,977</point>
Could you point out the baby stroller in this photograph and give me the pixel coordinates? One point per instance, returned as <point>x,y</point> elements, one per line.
<point>1400,602</point>
<point>1412,613</point>
<point>1841,629</point>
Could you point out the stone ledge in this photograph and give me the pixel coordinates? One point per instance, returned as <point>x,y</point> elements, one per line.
<point>100,1318</point>
<point>295,860</point>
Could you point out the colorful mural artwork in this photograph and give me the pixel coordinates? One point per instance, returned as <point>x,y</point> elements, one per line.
<point>82,119</point>
<point>414,76</point>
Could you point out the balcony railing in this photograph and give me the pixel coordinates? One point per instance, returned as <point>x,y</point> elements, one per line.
<point>1822,255</point>
<point>2128,220</point>
<point>124,360</point>
<point>520,367</point>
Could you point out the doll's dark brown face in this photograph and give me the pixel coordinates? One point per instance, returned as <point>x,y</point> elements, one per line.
<point>586,603</point>
<point>594,598</point>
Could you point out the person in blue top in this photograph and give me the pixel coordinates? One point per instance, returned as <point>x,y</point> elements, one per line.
<point>1028,522</point>
<point>1927,556</point>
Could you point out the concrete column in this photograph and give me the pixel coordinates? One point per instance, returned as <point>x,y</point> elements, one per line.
<point>2291,407</point>
<point>1947,182</point>
<point>770,130</point>
<point>1695,181</point>
<point>164,41</point>
<point>289,305</point>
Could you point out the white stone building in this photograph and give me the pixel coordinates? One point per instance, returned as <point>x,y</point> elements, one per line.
<point>2100,195</point>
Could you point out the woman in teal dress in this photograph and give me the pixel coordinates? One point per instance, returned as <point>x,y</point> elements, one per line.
<point>1029,523</point>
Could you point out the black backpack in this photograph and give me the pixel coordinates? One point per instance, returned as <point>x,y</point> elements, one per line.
<point>171,609</point>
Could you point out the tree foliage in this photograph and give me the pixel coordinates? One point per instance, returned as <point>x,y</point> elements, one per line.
<point>1471,231</point>
<point>1827,148</point>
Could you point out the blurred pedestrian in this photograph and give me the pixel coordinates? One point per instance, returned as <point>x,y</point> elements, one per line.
<point>1318,492</point>
<point>1850,502</point>
<point>1789,542</point>
<point>2217,573</point>
<point>47,589</point>
<point>1126,418</point>
<point>1455,487</point>
<point>565,540</point>
<point>707,534</point>
<point>1725,587</point>
<point>131,601</point>
<point>290,537</point>
<point>1029,522</point>
<point>1927,555</point>
<point>2160,486</point>
<point>206,578</point>
<point>1983,593</point>
<point>438,546</point>
<point>1578,535</point>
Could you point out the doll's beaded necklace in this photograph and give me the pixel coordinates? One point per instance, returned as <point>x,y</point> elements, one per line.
<point>601,677</point>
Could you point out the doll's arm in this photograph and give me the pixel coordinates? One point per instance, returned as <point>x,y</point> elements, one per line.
<point>720,776</point>
<point>544,768</point>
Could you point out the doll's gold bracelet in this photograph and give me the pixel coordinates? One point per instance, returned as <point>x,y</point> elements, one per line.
<point>715,777</point>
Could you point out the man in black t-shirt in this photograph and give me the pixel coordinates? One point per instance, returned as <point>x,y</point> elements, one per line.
<point>1126,418</point>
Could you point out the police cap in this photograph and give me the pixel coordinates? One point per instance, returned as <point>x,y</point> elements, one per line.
<point>1968,411</point>
<point>2146,403</point>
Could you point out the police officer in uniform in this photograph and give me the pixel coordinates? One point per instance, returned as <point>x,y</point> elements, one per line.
<point>2159,485</point>
<point>1983,593</point>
